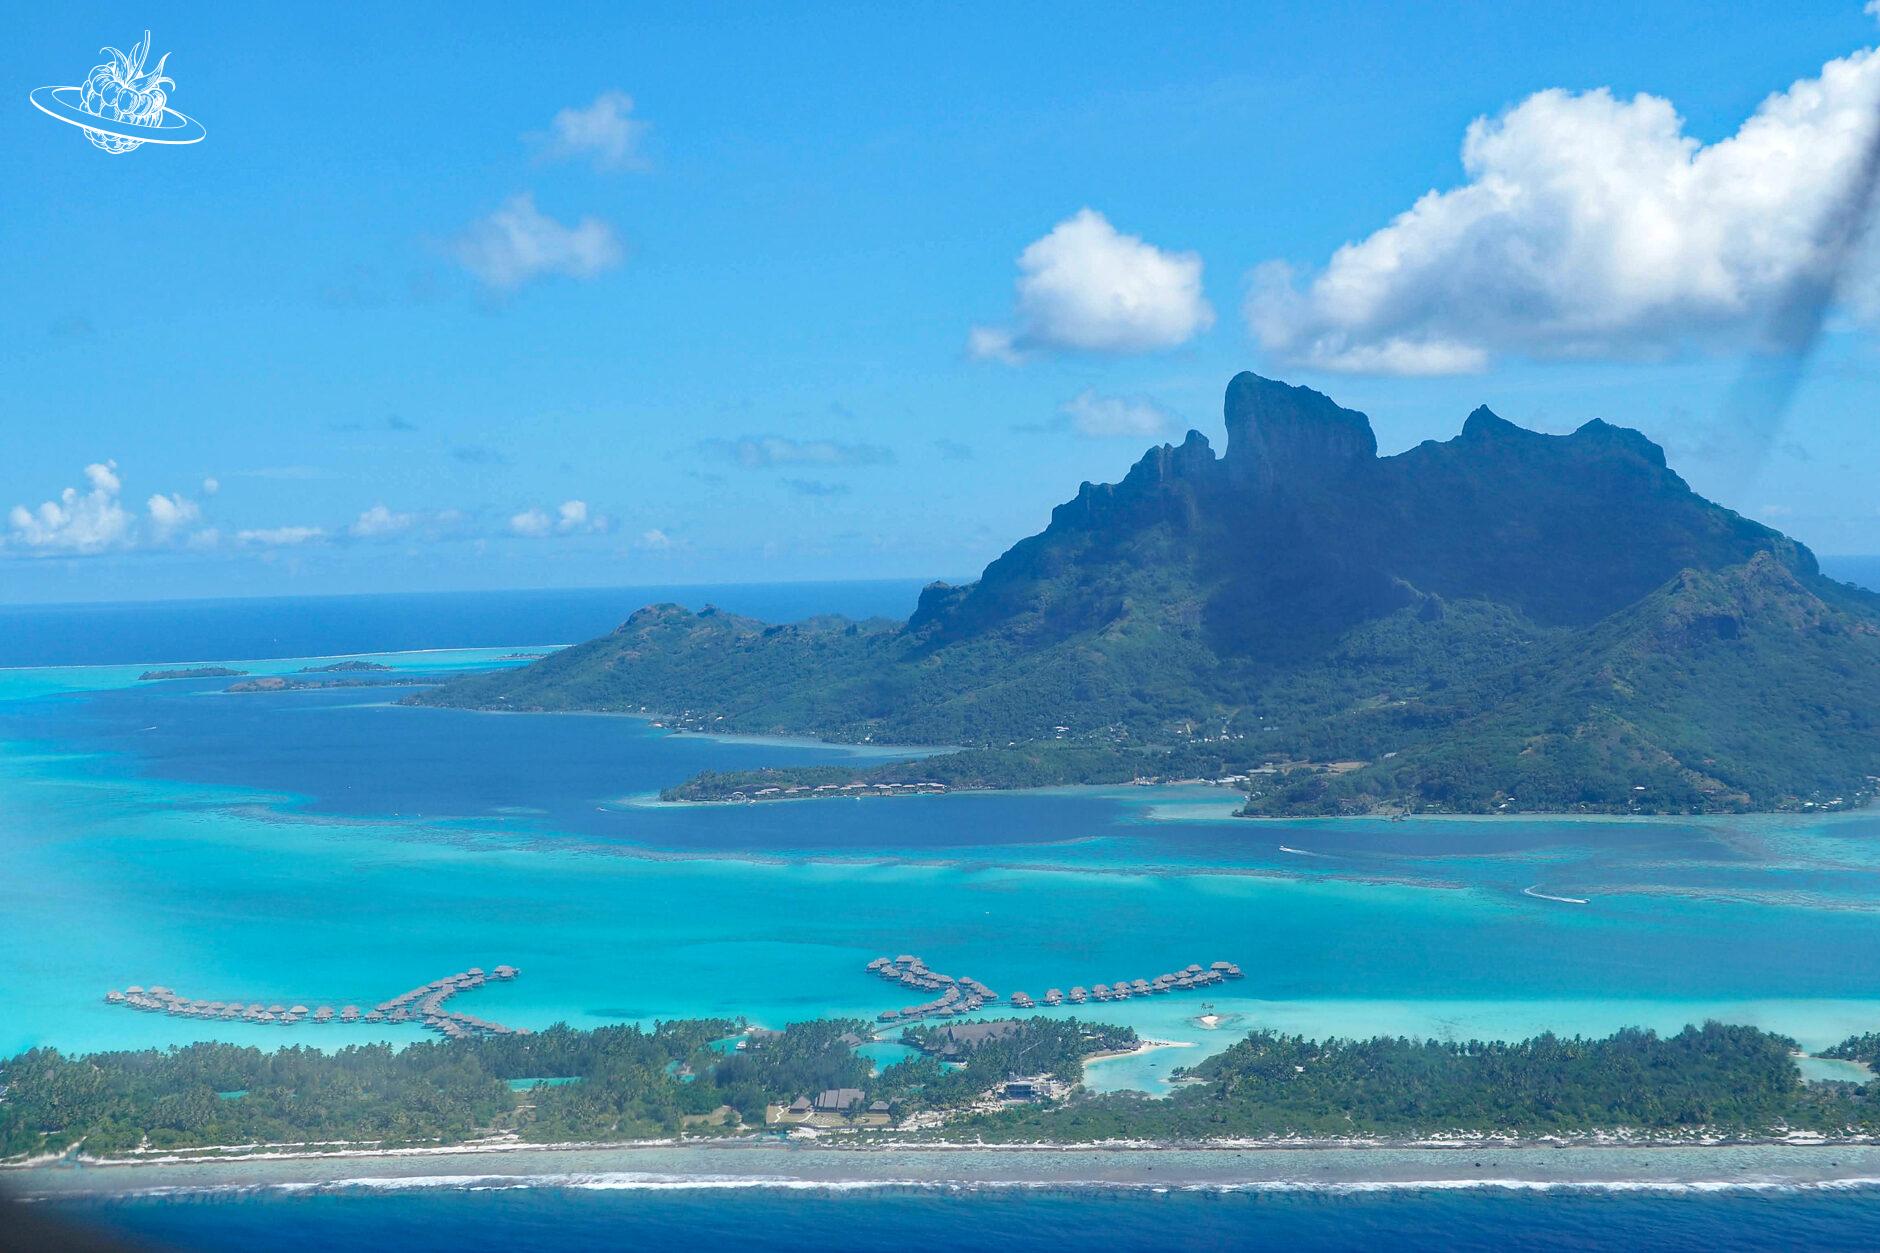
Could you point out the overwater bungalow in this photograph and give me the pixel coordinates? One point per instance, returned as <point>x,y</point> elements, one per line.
<point>1078,996</point>
<point>1054,996</point>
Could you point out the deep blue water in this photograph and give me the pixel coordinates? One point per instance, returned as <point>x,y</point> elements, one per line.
<point>547,1219</point>
<point>309,626</point>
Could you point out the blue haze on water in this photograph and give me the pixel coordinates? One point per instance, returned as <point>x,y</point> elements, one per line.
<point>333,846</point>
<point>299,626</point>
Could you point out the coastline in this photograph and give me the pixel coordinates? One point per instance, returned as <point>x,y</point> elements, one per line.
<point>1146,1046</point>
<point>1606,1163</point>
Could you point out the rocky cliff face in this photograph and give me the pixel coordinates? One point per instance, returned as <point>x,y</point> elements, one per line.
<point>1283,439</point>
<point>1300,530</point>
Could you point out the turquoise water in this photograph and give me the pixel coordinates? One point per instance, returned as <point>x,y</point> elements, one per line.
<point>332,847</point>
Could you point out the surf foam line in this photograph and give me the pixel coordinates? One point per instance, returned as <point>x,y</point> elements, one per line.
<point>635,1181</point>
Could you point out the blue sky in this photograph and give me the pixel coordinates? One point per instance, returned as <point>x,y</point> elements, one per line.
<point>498,296</point>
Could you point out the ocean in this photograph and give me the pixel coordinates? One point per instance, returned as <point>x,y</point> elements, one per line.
<point>336,846</point>
<point>994,1220</point>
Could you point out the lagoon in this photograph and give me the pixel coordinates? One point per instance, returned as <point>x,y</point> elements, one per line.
<point>334,846</point>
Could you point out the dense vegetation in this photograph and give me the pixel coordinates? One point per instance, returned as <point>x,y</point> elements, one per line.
<point>432,1092</point>
<point>624,1082</point>
<point>1505,621</point>
<point>943,1077</point>
<point>1722,1078</point>
<point>1856,1048</point>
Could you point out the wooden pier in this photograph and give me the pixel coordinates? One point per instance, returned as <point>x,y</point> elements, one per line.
<point>964,995</point>
<point>423,1005</point>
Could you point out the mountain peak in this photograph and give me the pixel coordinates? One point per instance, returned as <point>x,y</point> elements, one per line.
<point>1485,424</point>
<point>1279,435</point>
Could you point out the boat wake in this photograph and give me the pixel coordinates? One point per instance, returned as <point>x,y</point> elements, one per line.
<point>1545,896</point>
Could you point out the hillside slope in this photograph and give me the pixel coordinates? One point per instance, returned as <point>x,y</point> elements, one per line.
<point>1503,620</point>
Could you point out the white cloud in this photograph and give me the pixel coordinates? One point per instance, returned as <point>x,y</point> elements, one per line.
<point>605,132</point>
<point>570,517</point>
<point>169,514</point>
<point>653,541</point>
<point>532,522</point>
<point>379,522</point>
<point>280,536</point>
<point>519,243</point>
<point>1104,417</point>
<point>211,486</point>
<point>1089,288</point>
<point>1590,226</point>
<point>574,516</point>
<point>103,477</point>
<point>77,522</point>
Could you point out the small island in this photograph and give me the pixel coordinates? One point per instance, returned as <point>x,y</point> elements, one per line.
<point>344,667</point>
<point>278,683</point>
<point>192,672</point>
<point>1016,1081</point>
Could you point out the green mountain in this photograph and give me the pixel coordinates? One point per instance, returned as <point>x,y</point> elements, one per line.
<point>1504,620</point>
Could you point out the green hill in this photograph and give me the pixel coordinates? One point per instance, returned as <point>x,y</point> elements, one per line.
<point>1505,620</point>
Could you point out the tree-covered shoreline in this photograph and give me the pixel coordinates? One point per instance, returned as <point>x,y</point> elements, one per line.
<point>626,1083</point>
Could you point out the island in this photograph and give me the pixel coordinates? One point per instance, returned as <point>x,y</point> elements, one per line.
<point>990,1081</point>
<point>278,683</point>
<point>344,667</point>
<point>192,672</point>
<point>1503,622</point>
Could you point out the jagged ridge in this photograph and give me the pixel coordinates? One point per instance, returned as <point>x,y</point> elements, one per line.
<point>1471,624</point>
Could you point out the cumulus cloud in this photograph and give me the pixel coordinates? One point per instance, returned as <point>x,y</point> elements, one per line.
<point>87,521</point>
<point>570,517</point>
<point>1107,417</point>
<point>531,522</point>
<point>1087,287</point>
<point>604,132</point>
<point>654,541</point>
<point>1590,226</point>
<point>170,514</point>
<point>379,522</point>
<point>280,536</point>
<point>756,452</point>
<point>211,486</point>
<point>519,243</point>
